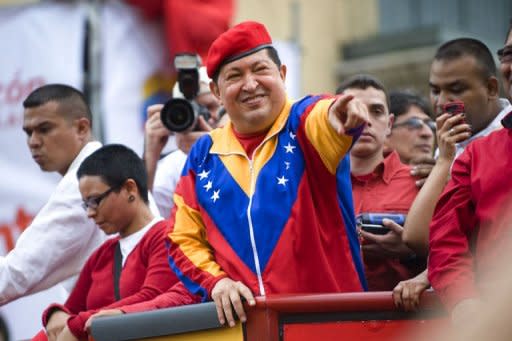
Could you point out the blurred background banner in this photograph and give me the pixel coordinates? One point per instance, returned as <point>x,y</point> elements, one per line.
<point>119,54</point>
<point>135,72</point>
<point>41,43</point>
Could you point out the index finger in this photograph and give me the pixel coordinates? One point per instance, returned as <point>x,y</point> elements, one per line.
<point>341,103</point>
<point>368,236</point>
<point>246,293</point>
<point>153,109</point>
<point>397,294</point>
<point>357,115</point>
<point>441,119</point>
<point>393,226</point>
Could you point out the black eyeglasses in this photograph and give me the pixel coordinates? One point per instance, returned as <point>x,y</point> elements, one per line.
<point>94,202</point>
<point>505,54</point>
<point>417,123</point>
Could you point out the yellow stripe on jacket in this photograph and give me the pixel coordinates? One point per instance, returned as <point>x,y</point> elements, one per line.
<point>189,233</point>
<point>331,146</point>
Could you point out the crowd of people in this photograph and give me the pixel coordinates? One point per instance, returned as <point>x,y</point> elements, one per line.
<point>266,199</point>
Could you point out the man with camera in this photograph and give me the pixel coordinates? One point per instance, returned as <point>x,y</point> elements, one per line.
<point>256,209</point>
<point>186,122</point>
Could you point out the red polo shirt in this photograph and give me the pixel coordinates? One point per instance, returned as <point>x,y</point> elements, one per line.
<point>471,229</point>
<point>389,188</point>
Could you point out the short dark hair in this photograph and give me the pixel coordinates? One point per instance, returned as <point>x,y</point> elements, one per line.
<point>72,102</point>
<point>116,163</point>
<point>363,81</point>
<point>460,47</point>
<point>402,100</point>
<point>272,53</point>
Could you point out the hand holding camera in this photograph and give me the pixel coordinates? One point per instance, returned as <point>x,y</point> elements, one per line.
<point>451,129</point>
<point>156,134</point>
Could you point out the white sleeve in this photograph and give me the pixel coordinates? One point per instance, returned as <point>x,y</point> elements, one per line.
<point>53,248</point>
<point>167,175</point>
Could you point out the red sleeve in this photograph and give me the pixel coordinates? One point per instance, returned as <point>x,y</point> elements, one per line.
<point>450,266</point>
<point>177,295</point>
<point>77,300</point>
<point>158,279</point>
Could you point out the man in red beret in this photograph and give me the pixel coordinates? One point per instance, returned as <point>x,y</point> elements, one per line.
<point>256,209</point>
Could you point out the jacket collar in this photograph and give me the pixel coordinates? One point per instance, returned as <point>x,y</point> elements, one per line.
<point>225,141</point>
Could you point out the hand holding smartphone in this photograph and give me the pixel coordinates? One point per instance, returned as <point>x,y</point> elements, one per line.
<point>372,222</point>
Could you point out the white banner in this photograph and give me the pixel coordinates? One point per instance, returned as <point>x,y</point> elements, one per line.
<point>40,44</point>
<point>136,70</point>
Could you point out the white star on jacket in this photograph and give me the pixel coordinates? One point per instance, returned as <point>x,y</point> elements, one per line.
<point>215,195</point>
<point>208,185</point>
<point>282,180</point>
<point>289,148</point>
<point>203,175</point>
<point>292,135</point>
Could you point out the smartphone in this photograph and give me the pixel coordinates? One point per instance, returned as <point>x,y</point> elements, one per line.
<point>454,108</point>
<point>372,222</point>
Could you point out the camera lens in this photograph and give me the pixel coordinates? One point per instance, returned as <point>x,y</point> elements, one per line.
<point>178,115</point>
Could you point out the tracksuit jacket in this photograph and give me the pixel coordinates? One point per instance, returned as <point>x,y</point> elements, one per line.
<point>272,221</point>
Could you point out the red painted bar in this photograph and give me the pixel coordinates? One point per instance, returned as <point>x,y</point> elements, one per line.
<point>368,316</point>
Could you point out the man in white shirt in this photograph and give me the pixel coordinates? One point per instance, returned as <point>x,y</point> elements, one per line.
<point>57,122</point>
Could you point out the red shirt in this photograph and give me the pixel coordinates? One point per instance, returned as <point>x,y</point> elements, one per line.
<point>145,275</point>
<point>389,188</point>
<point>249,141</point>
<point>471,227</point>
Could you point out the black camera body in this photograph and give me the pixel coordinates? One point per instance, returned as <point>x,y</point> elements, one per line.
<point>372,222</point>
<point>179,114</point>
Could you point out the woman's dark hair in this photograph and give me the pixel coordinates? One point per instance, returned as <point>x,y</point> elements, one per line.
<point>115,164</point>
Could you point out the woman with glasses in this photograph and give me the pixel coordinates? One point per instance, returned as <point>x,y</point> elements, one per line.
<point>129,268</point>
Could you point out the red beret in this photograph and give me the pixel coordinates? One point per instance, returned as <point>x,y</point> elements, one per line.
<point>239,41</point>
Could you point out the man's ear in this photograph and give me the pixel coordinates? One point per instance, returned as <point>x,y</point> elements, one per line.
<point>131,188</point>
<point>282,72</point>
<point>214,88</point>
<point>390,124</point>
<point>83,127</point>
<point>493,87</point>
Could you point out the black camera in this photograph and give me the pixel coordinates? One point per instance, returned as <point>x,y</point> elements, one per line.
<point>179,114</point>
<point>372,222</point>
